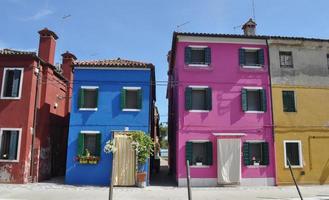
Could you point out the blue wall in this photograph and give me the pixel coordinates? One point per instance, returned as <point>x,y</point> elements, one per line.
<point>107,118</point>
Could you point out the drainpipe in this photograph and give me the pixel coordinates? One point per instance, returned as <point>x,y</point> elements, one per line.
<point>272,113</point>
<point>35,120</point>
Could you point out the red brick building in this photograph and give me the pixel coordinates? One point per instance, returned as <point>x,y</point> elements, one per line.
<point>34,111</point>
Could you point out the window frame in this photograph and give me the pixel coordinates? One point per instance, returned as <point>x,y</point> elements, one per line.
<point>205,65</point>
<point>200,141</point>
<point>18,145</point>
<point>20,84</point>
<point>256,66</point>
<point>132,89</point>
<point>300,152</point>
<point>90,88</point>
<point>254,89</point>
<point>257,142</point>
<point>198,87</point>
<point>295,101</point>
<point>87,132</point>
<point>292,60</point>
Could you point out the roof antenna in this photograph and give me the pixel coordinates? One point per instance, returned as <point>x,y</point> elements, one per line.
<point>180,25</point>
<point>253,10</point>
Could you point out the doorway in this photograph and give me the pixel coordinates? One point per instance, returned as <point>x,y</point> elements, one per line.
<point>228,161</point>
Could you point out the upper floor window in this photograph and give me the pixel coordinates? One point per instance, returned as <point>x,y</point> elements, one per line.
<point>198,98</point>
<point>251,57</point>
<point>288,99</point>
<point>286,59</point>
<point>255,153</point>
<point>89,143</point>
<point>131,98</point>
<point>197,56</point>
<point>9,144</point>
<point>12,83</point>
<point>88,98</point>
<point>253,100</point>
<point>199,153</point>
<point>293,153</point>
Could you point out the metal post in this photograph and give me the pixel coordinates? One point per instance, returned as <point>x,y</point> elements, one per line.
<point>293,178</point>
<point>188,177</point>
<point>112,177</point>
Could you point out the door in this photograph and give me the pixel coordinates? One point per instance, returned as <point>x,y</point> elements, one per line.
<point>228,161</point>
<point>124,161</point>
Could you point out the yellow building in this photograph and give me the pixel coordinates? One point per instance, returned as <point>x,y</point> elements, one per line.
<point>300,98</point>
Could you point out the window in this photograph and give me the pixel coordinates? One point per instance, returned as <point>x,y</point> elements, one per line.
<point>88,98</point>
<point>293,152</point>
<point>198,98</point>
<point>288,99</point>
<point>199,153</point>
<point>12,83</point>
<point>9,144</point>
<point>328,60</point>
<point>131,99</point>
<point>89,142</point>
<point>197,56</point>
<point>286,59</point>
<point>255,153</point>
<point>251,57</point>
<point>253,100</point>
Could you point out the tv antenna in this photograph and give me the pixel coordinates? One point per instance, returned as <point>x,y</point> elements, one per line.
<point>180,25</point>
<point>253,10</point>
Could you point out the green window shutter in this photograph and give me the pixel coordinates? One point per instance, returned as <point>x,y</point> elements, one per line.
<point>98,144</point>
<point>288,98</point>
<point>265,154</point>
<point>189,151</point>
<point>207,55</point>
<point>188,98</point>
<point>123,98</point>
<point>81,98</point>
<point>242,59</point>
<point>209,153</point>
<point>261,56</point>
<point>263,99</point>
<point>139,99</point>
<point>81,150</point>
<point>244,97</point>
<point>246,154</point>
<point>208,99</point>
<point>188,55</point>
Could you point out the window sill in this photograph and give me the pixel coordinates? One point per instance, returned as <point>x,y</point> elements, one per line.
<point>252,66</point>
<point>257,166</point>
<point>10,161</point>
<point>198,65</point>
<point>88,109</point>
<point>10,98</point>
<point>254,112</point>
<point>294,167</point>
<point>200,111</point>
<point>131,110</point>
<point>200,166</point>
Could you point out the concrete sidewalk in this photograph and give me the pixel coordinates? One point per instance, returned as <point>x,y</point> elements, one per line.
<point>52,191</point>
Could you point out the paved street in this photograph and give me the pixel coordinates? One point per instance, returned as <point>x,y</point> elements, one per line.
<point>52,191</point>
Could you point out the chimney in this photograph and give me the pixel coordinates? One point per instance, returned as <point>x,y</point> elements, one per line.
<point>47,45</point>
<point>67,65</point>
<point>249,28</point>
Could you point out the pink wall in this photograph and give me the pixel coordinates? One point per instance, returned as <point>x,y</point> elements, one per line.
<point>226,78</point>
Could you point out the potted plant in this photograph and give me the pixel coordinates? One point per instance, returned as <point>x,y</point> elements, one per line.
<point>144,146</point>
<point>87,158</point>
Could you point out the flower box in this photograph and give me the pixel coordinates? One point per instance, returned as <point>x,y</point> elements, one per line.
<point>87,159</point>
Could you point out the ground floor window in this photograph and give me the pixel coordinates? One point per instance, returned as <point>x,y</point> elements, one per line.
<point>89,143</point>
<point>293,153</point>
<point>255,153</point>
<point>199,153</point>
<point>9,144</point>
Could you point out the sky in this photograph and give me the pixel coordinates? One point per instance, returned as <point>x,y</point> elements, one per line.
<point>142,29</point>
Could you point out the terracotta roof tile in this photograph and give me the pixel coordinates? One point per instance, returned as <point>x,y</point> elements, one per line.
<point>113,63</point>
<point>16,52</point>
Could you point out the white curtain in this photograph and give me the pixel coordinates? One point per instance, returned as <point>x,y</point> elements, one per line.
<point>229,161</point>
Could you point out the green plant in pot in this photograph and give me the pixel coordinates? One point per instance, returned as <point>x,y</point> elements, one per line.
<point>144,146</point>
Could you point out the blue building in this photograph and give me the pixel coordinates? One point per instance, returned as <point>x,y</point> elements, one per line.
<point>110,97</point>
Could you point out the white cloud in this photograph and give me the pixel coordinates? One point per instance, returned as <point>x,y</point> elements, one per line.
<point>39,15</point>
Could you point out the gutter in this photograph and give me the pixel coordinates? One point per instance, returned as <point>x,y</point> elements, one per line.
<point>37,96</point>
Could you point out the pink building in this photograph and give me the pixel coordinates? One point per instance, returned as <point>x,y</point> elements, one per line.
<point>220,111</point>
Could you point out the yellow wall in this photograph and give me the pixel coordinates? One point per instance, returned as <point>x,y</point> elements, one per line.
<point>310,125</point>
